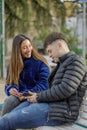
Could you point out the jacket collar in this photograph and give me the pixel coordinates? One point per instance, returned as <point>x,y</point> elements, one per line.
<point>64,57</point>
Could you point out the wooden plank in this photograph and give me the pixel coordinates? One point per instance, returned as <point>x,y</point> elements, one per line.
<point>63,127</point>
<point>26,129</point>
<point>72,127</point>
<point>81,122</point>
<point>47,128</point>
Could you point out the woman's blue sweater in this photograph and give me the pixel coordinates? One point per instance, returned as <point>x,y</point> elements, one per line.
<point>34,77</point>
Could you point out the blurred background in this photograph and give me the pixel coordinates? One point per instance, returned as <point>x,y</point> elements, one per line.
<point>36,19</point>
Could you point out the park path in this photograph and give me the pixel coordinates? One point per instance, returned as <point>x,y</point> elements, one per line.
<point>2,93</point>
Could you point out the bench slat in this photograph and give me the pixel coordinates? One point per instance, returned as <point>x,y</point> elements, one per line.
<point>63,127</point>
<point>82,122</point>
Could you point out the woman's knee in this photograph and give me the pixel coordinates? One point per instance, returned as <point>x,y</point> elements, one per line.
<point>9,104</point>
<point>11,99</point>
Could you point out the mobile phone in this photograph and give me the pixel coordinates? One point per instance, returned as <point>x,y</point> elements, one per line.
<point>25,94</point>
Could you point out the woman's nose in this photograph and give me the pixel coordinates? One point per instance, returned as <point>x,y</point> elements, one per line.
<point>28,49</point>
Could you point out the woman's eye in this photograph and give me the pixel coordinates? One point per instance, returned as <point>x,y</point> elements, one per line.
<point>24,48</point>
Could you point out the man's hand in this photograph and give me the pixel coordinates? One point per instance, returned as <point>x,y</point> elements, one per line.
<point>22,98</point>
<point>32,97</point>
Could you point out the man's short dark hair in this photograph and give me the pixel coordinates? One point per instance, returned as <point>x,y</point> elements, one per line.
<point>53,37</point>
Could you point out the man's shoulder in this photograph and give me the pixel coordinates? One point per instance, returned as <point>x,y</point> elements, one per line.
<point>75,60</point>
<point>79,59</point>
<point>75,57</point>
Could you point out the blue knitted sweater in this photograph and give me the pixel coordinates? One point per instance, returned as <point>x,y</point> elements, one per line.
<point>34,77</point>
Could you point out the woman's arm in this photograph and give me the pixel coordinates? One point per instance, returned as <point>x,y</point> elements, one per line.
<point>42,82</point>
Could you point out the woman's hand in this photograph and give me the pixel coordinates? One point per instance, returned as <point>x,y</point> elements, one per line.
<point>14,92</point>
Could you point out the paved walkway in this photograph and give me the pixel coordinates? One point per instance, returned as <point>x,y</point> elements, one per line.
<point>2,93</point>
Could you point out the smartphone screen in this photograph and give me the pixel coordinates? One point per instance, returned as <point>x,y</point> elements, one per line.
<point>25,94</point>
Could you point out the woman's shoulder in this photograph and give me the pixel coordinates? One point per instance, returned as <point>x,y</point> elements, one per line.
<point>37,60</point>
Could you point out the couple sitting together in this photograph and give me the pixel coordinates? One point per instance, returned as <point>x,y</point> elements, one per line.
<point>36,97</point>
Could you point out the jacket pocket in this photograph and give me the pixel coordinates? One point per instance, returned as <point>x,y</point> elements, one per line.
<point>72,109</point>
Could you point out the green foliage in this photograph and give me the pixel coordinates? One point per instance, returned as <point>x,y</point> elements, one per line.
<point>14,20</point>
<point>78,51</point>
<point>28,16</point>
<point>72,39</point>
<point>37,18</point>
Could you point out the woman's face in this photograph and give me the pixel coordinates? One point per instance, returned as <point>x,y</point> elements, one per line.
<point>26,49</point>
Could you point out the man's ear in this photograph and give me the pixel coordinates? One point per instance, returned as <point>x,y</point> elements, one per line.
<point>59,44</point>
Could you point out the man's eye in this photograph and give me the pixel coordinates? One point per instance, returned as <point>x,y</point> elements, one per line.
<point>49,51</point>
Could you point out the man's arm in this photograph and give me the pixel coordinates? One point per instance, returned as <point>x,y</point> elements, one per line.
<point>71,80</point>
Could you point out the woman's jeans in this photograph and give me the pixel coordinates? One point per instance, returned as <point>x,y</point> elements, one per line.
<point>27,115</point>
<point>9,104</point>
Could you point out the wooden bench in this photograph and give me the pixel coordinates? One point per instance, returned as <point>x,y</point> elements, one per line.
<point>80,124</point>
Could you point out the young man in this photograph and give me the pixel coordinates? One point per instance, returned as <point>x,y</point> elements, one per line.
<point>61,102</point>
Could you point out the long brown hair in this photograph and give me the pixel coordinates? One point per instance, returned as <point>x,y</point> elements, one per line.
<point>16,61</point>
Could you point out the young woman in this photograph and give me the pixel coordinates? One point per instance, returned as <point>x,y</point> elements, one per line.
<point>28,71</point>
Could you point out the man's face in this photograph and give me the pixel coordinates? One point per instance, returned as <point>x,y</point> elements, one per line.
<point>53,52</point>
